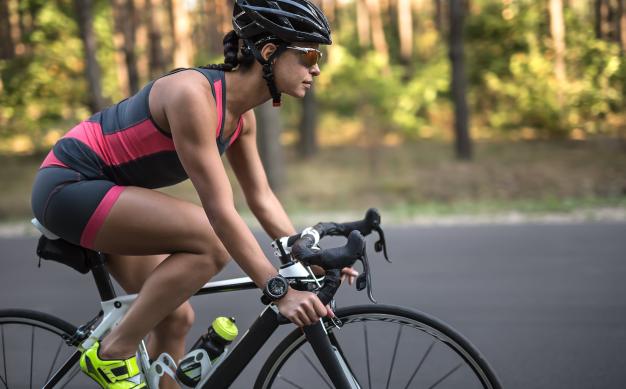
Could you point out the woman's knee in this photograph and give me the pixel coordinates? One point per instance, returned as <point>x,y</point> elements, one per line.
<point>178,323</point>
<point>214,254</point>
<point>220,256</point>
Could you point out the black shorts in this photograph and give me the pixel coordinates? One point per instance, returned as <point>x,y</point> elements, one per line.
<point>71,206</point>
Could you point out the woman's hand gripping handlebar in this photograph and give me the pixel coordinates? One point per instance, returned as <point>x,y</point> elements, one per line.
<point>304,248</point>
<point>302,308</point>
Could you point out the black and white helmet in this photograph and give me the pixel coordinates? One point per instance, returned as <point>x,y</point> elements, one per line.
<point>286,20</point>
<point>279,21</point>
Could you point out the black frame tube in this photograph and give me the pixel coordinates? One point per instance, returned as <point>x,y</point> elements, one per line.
<point>101,276</point>
<point>73,359</point>
<point>234,363</point>
<point>318,339</point>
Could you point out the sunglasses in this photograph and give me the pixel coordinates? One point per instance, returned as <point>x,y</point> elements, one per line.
<point>308,55</point>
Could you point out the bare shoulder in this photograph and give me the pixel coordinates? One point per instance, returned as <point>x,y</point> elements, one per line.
<point>186,90</point>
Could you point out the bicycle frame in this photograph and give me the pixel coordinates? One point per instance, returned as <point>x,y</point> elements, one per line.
<point>228,367</point>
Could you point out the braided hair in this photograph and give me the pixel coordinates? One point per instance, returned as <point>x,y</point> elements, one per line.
<point>234,57</point>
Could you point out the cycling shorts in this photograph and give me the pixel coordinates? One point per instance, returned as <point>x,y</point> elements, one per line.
<point>71,206</point>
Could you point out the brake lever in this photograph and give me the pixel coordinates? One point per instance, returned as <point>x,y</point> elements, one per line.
<point>381,244</point>
<point>364,280</point>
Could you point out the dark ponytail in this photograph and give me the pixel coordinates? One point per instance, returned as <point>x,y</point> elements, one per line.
<point>232,56</point>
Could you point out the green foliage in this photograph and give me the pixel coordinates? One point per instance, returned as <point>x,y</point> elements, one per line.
<point>514,79</point>
<point>44,85</point>
<point>509,58</point>
<point>379,93</point>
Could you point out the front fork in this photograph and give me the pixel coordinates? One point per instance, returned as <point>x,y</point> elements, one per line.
<point>330,355</point>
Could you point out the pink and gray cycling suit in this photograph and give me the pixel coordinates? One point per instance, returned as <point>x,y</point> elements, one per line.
<point>87,169</point>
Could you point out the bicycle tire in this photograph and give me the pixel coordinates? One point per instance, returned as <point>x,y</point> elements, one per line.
<point>27,339</point>
<point>429,327</point>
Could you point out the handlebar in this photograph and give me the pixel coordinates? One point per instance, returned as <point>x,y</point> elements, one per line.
<point>332,260</point>
<point>305,249</point>
<point>370,223</point>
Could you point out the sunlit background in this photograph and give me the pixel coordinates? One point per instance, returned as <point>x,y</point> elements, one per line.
<point>542,82</point>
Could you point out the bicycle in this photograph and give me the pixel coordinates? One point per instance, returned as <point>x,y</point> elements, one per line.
<point>433,355</point>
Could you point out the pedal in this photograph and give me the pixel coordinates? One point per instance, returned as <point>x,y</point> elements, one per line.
<point>164,364</point>
<point>193,368</point>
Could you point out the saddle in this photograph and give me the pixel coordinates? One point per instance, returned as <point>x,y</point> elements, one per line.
<point>53,248</point>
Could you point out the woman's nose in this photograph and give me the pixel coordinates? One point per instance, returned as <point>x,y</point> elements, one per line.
<point>315,70</point>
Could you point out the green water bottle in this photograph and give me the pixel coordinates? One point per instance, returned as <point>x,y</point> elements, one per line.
<point>220,334</point>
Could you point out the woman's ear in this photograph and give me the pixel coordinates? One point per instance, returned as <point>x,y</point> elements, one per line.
<point>268,50</point>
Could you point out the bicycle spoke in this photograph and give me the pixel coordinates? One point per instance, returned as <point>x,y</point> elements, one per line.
<point>367,356</point>
<point>420,364</point>
<point>290,382</point>
<point>54,362</point>
<point>32,352</point>
<point>4,360</point>
<point>448,374</point>
<point>316,369</point>
<point>395,350</point>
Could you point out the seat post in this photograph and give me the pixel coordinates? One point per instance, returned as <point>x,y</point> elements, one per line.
<point>101,276</point>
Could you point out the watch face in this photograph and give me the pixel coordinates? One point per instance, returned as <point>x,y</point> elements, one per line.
<point>277,287</point>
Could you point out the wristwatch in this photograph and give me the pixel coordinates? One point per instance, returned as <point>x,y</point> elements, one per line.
<point>276,288</point>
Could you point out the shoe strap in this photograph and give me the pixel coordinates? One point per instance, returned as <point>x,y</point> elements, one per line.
<point>120,370</point>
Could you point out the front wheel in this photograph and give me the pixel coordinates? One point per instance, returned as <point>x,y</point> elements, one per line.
<point>33,348</point>
<point>384,347</point>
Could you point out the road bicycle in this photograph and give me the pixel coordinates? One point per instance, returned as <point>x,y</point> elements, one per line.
<point>364,346</point>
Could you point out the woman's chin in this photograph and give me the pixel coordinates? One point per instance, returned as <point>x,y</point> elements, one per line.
<point>298,93</point>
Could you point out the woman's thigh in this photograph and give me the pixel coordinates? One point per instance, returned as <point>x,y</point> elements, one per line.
<point>146,222</point>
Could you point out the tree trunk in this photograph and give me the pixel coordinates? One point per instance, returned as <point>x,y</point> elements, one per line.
<point>141,47</point>
<point>221,11</point>
<point>621,25</point>
<point>458,87</point>
<point>129,30</point>
<point>597,7</point>
<point>308,125</point>
<point>268,137</point>
<point>329,8</point>
<point>7,47</point>
<point>440,15</point>
<point>378,32</point>
<point>602,25</point>
<point>156,58</point>
<point>405,29</point>
<point>213,28</point>
<point>557,30</point>
<point>181,35</point>
<point>363,23</point>
<point>84,15</point>
<point>120,21</point>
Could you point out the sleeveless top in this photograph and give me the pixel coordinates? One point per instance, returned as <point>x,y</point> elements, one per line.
<point>123,143</point>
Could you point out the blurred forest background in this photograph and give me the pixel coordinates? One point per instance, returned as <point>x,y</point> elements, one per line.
<point>422,106</point>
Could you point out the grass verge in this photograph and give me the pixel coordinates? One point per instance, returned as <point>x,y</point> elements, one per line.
<point>415,180</point>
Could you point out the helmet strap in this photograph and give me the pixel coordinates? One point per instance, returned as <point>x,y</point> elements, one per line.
<point>268,71</point>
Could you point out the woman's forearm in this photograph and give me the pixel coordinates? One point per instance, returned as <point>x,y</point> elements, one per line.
<point>271,215</point>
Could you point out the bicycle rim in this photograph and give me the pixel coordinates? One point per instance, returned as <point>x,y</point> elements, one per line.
<point>33,348</point>
<point>384,347</point>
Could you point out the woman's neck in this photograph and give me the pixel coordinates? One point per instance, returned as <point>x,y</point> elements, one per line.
<point>244,91</point>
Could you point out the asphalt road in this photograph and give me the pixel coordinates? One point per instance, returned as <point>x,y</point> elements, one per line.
<point>546,304</point>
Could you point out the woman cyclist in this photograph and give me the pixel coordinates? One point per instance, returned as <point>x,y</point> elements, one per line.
<point>95,188</point>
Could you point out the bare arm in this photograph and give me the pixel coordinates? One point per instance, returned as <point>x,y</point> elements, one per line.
<point>192,118</point>
<point>243,156</point>
<point>187,112</point>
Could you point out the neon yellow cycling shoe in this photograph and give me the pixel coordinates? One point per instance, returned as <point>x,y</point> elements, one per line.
<point>113,373</point>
